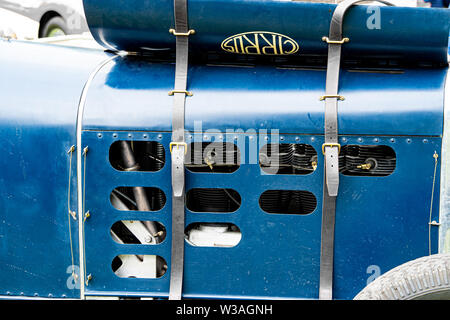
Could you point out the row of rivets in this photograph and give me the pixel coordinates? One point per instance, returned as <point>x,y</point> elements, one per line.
<point>282,138</point>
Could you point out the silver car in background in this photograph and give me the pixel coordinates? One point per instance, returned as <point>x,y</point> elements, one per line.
<point>32,19</point>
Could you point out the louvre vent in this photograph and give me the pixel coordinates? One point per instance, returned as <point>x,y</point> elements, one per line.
<point>215,157</point>
<point>213,200</point>
<point>288,202</point>
<point>356,160</point>
<point>288,158</point>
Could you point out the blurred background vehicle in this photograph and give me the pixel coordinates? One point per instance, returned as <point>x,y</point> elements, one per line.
<point>32,19</point>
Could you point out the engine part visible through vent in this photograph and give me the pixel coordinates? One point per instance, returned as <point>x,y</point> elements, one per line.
<point>376,161</point>
<point>288,202</point>
<point>139,266</point>
<point>288,158</point>
<point>138,199</point>
<point>138,232</point>
<point>215,157</point>
<point>213,200</point>
<point>225,235</point>
<point>137,156</point>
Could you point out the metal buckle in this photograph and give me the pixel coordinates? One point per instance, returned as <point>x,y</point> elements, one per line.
<point>185,34</point>
<point>184,144</point>
<point>331,145</point>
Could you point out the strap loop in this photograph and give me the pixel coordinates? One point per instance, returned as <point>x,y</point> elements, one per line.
<point>340,98</point>
<point>182,34</point>
<point>188,93</point>
<point>327,40</point>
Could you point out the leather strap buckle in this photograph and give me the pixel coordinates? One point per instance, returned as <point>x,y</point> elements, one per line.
<point>331,145</point>
<point>178,144</point>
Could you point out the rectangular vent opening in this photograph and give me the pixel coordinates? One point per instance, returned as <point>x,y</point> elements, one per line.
<point>288,158</point>
<point>288,202</point>
<point>138,232</point>
<point>138,199</point>
<point>139,266</point>
<point>215,157</point>
<point>223,235</point>
<point>137,156</point>
<point>370,161</point>
<point>213,200</point>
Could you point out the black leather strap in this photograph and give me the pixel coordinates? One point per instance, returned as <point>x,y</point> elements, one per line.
<point>331,147</point>
<point>178,148</point>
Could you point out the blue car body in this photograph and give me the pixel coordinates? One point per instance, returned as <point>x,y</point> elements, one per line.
<point>381,222</point>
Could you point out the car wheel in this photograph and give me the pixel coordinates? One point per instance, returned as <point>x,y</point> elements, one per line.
<point>56,26</point>
<point>426,278</point>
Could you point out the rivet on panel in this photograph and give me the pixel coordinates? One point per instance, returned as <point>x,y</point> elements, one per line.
<point>360,139</point>
<point>145,136</point>
<point>376,140</point>
<point>425,140</point>
<point>99,135</point>
<point>392,140</point>
<point>408,141</point>
<point>88,278</point>
<point>313,139</point>
<point>159,136</point>
<point>114,135</point>
<point>344,139</point>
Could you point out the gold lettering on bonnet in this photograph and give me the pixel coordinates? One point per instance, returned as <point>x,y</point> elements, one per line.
<point>260,43</point>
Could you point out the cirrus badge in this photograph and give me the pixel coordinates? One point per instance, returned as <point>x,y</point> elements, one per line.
<point>260,43</point>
